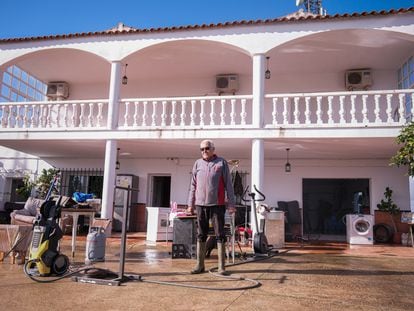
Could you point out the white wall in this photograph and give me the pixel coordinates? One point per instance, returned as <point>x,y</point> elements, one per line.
<point>278,186</point>
<point>14,164</point>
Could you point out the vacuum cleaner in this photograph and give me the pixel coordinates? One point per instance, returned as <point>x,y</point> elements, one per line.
<point>44,256</point>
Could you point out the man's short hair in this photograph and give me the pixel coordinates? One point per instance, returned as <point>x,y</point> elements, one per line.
<point>208,142</point>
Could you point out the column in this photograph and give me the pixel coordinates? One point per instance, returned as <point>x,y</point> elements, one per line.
<point>111,145</point>
<point>257,173</point>
<point>258,89</point>
<point>114,87</point>
<point>109,180</point>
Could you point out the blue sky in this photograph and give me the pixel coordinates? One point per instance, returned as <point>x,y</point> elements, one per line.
<point>26,18</point>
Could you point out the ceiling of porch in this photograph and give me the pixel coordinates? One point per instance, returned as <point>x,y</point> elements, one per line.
<point>335,149</point>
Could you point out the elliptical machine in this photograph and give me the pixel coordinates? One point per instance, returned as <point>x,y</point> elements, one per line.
<point>44,253</point>
<point>260,244</point>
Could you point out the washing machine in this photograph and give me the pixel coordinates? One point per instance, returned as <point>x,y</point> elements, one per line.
<point>360,229</point>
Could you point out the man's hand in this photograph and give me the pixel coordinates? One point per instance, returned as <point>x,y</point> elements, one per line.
<point>190,210</point>
<point>231,210</point>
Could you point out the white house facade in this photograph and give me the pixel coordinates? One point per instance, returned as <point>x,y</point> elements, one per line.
<point>338,94</point>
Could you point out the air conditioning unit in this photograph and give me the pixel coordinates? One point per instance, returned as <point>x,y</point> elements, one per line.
<point>227,83</point>
<point>57,90</point>
<point>358,79</point>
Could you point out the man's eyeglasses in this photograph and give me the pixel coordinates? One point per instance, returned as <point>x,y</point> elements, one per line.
<point>205,149</point>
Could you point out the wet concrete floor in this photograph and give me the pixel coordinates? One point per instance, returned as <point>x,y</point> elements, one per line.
<point>317,276</point>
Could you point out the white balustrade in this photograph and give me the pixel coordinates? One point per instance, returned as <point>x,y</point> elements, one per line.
<point>340,109</point>
<point>330,109</point>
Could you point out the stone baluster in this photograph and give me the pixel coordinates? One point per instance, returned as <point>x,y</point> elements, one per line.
<point>223,112</point>
<point>307,110</point>
<point>243,113</point>
<point>202,111</point>
<point>401,108</point>
<point>213,112</point>
<point>164,113</point>
<point>364,110</point>
<point>285,110</point>
<point>74,113</point>
<point>183,112</point>
<point>90,116</point>
<point>319,110</point>
<point>353,110</point>
<point>377,108</point>
<point>274,110</point>
<point>174,113</point>
<point>192,113</point>
<point>389,108</point>
<point>82,115</point>
<point>342,109</point>
<point>26,117</point>
<point>99,118</point>
<point>126,115</point>
<point>330,110</point>
<point>145,114</point>
<point>154,113</point>
<point>296,112</point>
<point>136,114</point>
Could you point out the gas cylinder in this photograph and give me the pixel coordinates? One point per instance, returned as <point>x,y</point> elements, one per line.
<point>95,245</point>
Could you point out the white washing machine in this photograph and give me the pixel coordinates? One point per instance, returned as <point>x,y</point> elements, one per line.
<point>360,229</point>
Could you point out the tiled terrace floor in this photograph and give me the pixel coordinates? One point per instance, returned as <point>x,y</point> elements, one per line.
<point>323,276</point>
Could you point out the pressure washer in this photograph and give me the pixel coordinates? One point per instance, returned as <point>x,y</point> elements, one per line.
<point>44,256</point>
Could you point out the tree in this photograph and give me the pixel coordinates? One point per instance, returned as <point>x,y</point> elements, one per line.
<point>405,155</point>
<point>40,186</point>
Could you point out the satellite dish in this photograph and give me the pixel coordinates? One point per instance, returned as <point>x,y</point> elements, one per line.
<point>299,2</point>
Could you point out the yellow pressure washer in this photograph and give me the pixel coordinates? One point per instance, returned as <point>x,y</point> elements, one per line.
<point>44,256</point>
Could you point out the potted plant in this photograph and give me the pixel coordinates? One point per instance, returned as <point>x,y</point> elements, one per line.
<point>390,212</point>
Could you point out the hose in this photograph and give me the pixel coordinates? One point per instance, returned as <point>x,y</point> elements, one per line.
<point>134,277</point>
<point>254,284</point>
<point>54,279</point>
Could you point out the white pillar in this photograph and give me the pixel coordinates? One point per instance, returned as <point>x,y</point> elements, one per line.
<point>258,89</point>
<point>109,180</point>
<point>114,87</point>
<point>257,173</point>
<point>111,145</point>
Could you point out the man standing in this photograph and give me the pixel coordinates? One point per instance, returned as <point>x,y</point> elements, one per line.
<point>210,183</point>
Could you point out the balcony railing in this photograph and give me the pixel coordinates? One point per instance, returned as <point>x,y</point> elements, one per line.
<point>316,110</point>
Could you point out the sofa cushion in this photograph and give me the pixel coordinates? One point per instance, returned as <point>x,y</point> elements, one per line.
<point>32,205</point>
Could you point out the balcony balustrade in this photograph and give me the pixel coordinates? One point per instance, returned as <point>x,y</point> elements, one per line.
<point>307,110</point>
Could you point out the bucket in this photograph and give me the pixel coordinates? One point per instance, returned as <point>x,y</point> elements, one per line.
<point>95,245</point>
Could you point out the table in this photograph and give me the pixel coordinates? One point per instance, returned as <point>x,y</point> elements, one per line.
<point>75,213</point>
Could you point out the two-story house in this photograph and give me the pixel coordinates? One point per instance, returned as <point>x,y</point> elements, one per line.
<point>326,94</point>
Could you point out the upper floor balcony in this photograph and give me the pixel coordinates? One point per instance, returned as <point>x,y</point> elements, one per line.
<point>335,110</point>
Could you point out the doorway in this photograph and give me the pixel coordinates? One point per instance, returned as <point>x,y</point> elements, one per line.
<point>327,201</point>
<point>159,190</point>
<point>16,183</point>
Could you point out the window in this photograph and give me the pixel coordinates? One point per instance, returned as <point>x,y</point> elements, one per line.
<point>406,81</point>
<point>81,180</point>
<point>18,85</point>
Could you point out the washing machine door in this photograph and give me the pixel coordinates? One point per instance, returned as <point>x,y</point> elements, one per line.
<point>362,226</point>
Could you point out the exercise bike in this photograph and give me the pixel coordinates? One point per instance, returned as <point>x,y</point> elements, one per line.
<point>260,244</point>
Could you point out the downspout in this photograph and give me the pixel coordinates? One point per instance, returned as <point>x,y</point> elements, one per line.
<point>111,145</point>
<point>258,110</point>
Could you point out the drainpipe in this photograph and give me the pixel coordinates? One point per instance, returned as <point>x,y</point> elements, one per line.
<point>111,145</point>
<point>258,110</point>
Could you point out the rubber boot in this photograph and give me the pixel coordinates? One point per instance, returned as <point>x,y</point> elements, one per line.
<point>201,253</point>
<point>221,258</point>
